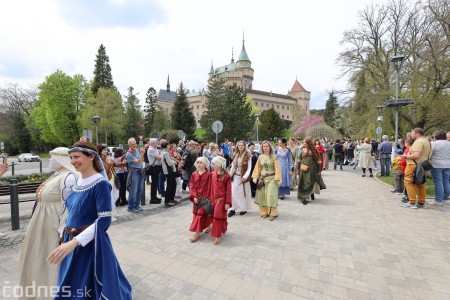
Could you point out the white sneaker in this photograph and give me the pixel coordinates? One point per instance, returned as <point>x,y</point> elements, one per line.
<point>409,205</point>
<point>398,193</point>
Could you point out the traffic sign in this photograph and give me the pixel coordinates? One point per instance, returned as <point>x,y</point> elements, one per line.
<point>217,126</point>
<point>378,130</point>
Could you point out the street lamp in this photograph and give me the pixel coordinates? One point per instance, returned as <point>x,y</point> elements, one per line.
<point>96,120</point>
<point>379,119</point>
<point>257,125</point>
<point>397,62</point>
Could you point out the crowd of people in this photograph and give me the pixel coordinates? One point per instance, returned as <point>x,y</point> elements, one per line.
<point>74,206</point>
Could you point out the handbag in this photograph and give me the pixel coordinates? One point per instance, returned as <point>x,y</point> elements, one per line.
<point>304,167</point>
<point>427,166</point>
<point>170,170</point>
<point>419,174</point>
<point>207,204</point>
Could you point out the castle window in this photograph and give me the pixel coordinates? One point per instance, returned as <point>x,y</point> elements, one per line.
<point>198,106</point>
<point>273,105</point>
<point>256,103</point>
<point>287,107</point>
<point>278,106</point>
<point>267,104</point>
<point>306,107</point>
<point>287,117</point>
<point>282,116</point>
<point>282,107</point>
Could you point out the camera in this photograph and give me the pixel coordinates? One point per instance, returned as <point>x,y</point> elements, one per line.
<point>5,160</point>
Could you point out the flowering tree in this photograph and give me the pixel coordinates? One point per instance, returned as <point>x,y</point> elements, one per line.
<point>306,123</point>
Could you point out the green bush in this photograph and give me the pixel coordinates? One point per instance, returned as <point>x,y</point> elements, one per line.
<point>37,177</point>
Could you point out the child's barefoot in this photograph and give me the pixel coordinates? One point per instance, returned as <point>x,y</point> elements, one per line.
<point>217,241</point>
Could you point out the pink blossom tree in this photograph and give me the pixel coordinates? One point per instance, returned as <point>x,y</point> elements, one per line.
<point>307,122</point>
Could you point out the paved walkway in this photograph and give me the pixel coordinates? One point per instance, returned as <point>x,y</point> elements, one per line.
<point>354,241</point>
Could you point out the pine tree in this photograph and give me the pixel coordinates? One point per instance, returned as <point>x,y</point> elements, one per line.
<point>182,116</point>
<point>215,99</point>
<point>133,115</point>
<point>102,72</point>
<point>150,110</point>
<point>330,109</point>
<point>271,124</point>
<point>236,114</point>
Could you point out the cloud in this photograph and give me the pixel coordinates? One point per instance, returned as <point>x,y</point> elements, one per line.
<point>110,13</point>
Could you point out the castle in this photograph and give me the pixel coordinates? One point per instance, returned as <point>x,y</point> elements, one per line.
<point>241,73</point>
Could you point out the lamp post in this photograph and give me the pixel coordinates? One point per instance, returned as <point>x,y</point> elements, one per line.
<point>96,120</point>
<point>379,119</point>
<point>257,128</point>
<point>397,62</point>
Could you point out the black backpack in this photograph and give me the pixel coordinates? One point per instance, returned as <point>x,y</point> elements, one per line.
<point>419,174</point>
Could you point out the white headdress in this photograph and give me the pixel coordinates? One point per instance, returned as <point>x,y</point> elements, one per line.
<point>219,160</point>
<point>204,160</point>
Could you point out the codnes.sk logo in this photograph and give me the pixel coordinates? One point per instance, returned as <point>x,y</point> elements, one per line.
<point>15,291</point>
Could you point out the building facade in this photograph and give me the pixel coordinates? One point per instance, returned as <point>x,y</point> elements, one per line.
<point>297,101</point>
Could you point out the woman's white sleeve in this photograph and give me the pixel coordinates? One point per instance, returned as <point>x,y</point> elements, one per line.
<point>249,168</point>
<point>86,236</point>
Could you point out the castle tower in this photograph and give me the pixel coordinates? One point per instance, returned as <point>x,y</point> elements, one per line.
<point>301,96</point>
<point>244,68</point>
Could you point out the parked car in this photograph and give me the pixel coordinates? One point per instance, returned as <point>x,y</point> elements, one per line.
<point>28,157</point>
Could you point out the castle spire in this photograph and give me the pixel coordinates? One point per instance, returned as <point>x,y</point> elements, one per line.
<point>168,83</point>
<point>232,54</point>
<point>211,70</point>
<point>243,55</point>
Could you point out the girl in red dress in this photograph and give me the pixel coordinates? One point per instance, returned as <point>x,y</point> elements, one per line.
<point>321,151</point>
<point>199,187</point>
<point>220,196</point>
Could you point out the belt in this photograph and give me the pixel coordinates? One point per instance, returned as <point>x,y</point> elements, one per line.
<point>72,232</point>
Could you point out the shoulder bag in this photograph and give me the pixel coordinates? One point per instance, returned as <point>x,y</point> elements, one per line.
<point>419,174</point>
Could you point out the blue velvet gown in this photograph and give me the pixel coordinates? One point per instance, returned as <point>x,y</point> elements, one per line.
<point>91,271</point>
<point>286,165</point>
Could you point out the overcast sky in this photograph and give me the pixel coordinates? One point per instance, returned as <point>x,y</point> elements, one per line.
<point>148,39</point>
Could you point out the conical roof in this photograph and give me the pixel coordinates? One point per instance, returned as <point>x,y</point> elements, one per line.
<point>297,87</point>
<point>243,55</point>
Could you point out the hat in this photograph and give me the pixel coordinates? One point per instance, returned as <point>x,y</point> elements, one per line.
<point>59,157</point>
<point>399,151</point>
<point>220,161</point>
<point>204,160</point>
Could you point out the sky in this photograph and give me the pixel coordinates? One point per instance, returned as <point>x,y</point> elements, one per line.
<point>147,40</point>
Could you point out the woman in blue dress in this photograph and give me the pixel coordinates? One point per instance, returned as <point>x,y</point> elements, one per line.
<point>286,166</point>
<point>89,268</point>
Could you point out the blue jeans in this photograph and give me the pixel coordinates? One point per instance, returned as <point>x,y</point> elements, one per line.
<point>441,183</point>
<point>385,164</point>
<point>161,184</point>
<point>136,189</point>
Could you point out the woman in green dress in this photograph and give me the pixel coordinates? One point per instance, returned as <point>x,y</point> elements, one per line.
<point>308,166</point>
<point>267,170</point>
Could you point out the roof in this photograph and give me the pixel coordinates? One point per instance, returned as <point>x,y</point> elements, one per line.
<point>229,67</point>
<point>270,94</point>
<point>243,55</point>
<point>166,95</point>
<point>297,87</point>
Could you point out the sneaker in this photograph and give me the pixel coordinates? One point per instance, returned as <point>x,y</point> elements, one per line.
<point>170,204</point>
<point>398,193</point>
<point>420,205</point>
<point>394,191</point>
<point>177,197</point>
<point>155,201</point>
<point>133,210</point>
<point>139,208</point>
<point>185,192</point>
<point>410,205</point>
<point>405,200</point>
<point>231,213</point>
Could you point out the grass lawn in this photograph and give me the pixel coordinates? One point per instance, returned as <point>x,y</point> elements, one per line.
<point>390,180</point>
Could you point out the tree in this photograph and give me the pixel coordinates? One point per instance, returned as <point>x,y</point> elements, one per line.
<point>271,124</point>
<point>330,109</point>
<point>133,115</point>
<point>308,122</point>
<point>57,112</point>
<point>182,116</point>
<point>215,100</point>
<point>150,109</point>
<point>102,72</point>
<point>16,104</point>
<point>236,115</point>
<point>322,130</point>
<point>419,31</point>
<point>161,122</point>
<point>108,105</point>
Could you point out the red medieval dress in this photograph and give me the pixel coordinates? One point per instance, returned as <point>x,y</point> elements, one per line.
<point>322,152</point>
<point>220,195</point>
<point>199,188</point>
